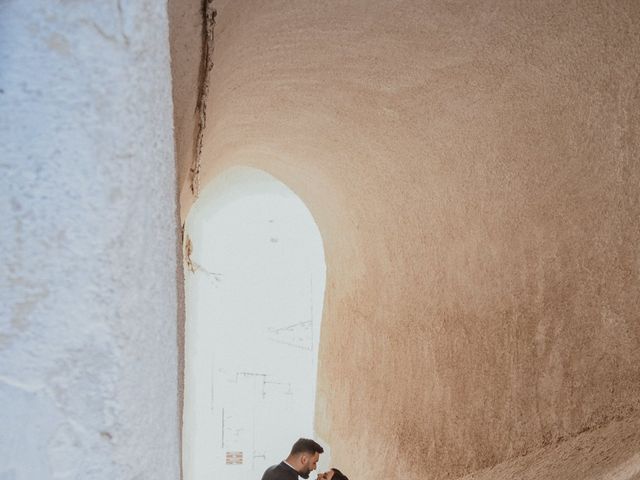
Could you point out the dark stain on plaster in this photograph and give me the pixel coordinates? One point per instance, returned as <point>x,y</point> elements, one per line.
<point>188,249</point>
<point>206,64</point>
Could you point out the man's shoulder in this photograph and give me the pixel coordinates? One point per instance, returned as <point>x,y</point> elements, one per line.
<point>279,472</point>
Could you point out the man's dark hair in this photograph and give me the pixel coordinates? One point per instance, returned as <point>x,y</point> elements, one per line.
<point>306,445</point>
<point>338,475</point>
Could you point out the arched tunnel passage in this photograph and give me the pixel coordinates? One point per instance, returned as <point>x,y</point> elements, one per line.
<point>254,282</point>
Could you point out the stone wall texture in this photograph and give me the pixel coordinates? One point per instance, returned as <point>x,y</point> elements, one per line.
<point>88,351</point>
<point>474,168</point>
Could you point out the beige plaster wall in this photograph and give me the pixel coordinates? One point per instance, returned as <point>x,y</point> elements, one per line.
<point>474,170</point>
<point>186,36</point>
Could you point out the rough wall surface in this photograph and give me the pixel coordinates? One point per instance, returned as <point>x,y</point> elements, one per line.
<point>187,63</point>
<point>185,34</point>
<point>473,168</point>
<point>88,294</point>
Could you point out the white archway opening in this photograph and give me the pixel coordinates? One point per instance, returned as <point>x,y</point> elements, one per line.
<point>254,281</point>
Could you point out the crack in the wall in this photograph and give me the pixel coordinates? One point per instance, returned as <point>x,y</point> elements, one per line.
<point>101,31</point>
<point>194,266</point>
<point>206,64</point>
<point>125,37</point>
<point>114,37</point>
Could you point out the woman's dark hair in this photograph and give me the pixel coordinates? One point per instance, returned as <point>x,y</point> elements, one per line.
<point>338,475</point>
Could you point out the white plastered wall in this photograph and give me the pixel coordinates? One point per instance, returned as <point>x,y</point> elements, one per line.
<point>88,353</point>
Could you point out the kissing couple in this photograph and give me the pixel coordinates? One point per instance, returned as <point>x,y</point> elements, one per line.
<point>302,460</point>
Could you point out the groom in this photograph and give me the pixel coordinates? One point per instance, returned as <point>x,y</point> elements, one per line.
<point>302,460</point>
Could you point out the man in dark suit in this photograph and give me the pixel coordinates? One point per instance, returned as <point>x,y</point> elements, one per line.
<point>302,460</point>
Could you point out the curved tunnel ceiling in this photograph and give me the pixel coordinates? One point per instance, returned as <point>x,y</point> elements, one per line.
<point>472,167</point>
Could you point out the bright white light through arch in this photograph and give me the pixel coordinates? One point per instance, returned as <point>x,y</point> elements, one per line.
<point>254,283</point>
